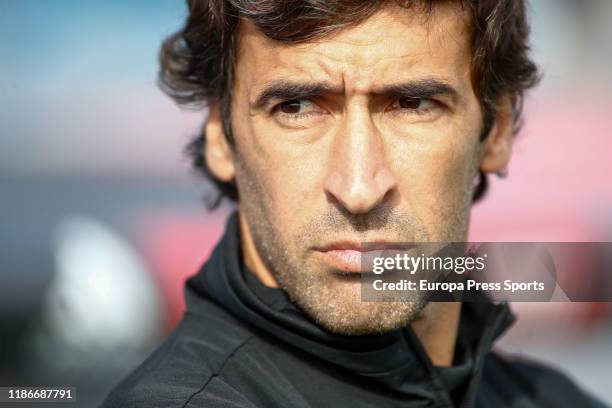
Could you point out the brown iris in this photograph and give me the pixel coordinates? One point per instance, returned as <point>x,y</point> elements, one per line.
<point>291,107</point>
<point>409,103</point>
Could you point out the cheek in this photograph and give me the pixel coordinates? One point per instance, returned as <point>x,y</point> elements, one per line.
<point>288,177</point>
<point>435,176</point>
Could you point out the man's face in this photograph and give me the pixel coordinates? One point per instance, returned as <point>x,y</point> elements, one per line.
<point>369,135</point>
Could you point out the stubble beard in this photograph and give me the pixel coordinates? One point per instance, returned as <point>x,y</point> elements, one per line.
<point>331,300</point>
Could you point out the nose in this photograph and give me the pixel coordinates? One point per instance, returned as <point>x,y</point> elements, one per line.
<point>359,178</point>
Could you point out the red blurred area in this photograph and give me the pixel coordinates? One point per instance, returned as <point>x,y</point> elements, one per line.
<point>176,244</point>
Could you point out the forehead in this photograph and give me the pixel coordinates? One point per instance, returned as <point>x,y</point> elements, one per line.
<point>394,44</point>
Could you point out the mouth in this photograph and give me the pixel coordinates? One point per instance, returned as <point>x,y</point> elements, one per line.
<point>350,257</point>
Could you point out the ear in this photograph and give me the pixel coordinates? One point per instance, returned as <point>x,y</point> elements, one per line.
<point>219,157</point>
<point>497,148</point>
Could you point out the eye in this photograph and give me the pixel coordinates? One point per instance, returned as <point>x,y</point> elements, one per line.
<point>295,106</point>
<point>416,104</point>
<point>412,109</point>
<point>297,113</point>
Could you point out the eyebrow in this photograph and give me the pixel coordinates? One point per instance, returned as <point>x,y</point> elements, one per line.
<point>422,88</point>
<point>288,90</point>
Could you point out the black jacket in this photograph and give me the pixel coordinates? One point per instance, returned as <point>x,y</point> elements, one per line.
<point>241,344</point>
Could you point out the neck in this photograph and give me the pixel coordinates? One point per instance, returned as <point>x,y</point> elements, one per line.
<point>437,328</point>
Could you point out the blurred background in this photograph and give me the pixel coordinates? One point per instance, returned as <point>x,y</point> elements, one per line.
<point>102,219</point>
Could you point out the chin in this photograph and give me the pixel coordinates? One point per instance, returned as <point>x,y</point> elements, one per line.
<point>364,318</point>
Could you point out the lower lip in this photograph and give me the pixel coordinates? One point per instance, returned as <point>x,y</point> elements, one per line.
<point>345,260</point>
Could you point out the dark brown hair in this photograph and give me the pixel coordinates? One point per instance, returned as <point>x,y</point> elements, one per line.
<point>197,62</point>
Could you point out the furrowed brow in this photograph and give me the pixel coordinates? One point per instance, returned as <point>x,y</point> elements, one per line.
<point>288,90</point>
